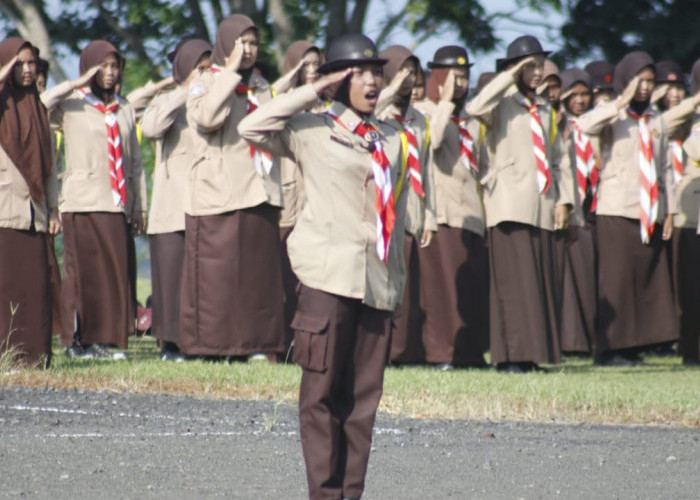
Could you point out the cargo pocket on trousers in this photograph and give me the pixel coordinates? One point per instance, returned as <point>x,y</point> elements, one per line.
<point>310,341</point>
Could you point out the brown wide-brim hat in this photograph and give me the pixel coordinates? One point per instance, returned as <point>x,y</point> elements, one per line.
<point>350,50</point>
<point>669,72</point>
<point>523,46</point>
<point>450,56</point>
<point>601,73</point>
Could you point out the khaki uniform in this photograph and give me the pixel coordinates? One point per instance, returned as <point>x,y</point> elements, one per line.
<point>524,299</point>
<point>224,177</point>
<point>631,312</point>
<point>343,315</point>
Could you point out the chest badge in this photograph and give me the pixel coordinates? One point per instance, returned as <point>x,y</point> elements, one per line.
<point>371,136</point>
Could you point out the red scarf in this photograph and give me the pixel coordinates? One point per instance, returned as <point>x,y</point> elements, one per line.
<point>412,162</point>
<point>544,175</point>
<point>114,145</point>
<point>648,179</point>
<point>586,165</point>
<point>678,161</point>
<point>466,145</point>
<point>381,169</point>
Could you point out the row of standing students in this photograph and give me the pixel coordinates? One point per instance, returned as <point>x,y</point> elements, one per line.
<point>375,192</point>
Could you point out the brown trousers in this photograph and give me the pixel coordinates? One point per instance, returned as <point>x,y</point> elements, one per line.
<point>686,265</point>
<point>635,299</point>
<point>579,296</point>
<point>524,306</point>
<point>167,262</point>
<point>25,296</point>
<point>455,295</point>
<point>289,285</point>
<point>342,346</point>
<point>406,327</point>
<point>96,284</point>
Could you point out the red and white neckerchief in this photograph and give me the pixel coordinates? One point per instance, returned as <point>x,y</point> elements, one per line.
<point>586,165</point>
<point>381,172</point>
<point>648,180</point>
<point>544,174</point>
<point>262,159</point>
<point>114,145</point>
<point>412,161</point>
<point>466,148</point>
<point>678,161</point>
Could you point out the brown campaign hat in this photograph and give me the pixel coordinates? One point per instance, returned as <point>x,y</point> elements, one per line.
<point>450,56</point>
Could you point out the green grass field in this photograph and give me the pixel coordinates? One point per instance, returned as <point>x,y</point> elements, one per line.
<point>662,393</point>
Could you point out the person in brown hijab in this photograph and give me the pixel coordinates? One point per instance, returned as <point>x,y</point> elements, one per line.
<point>394,108</point>
<point>601,73</point>
<point>634,218</point>
<point>165,123</point>
<point>232,300</point>
<point>103,199</point>
<point>28,201</point>
<point>301,63</point>
<point>454,275</point>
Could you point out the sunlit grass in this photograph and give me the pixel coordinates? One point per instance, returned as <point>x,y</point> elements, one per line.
<point>662,393</point>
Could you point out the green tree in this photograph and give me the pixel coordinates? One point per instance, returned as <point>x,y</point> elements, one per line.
<point>667,29</point>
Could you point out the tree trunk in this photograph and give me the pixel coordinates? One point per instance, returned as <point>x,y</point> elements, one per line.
<point>337,10</point>
<point>30,24</point>
<point>198,19</point>
<point>282,30</point>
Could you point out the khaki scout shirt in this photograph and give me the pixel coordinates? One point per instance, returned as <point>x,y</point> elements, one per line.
<point>678,122</point>
<point>509,178</point>
<point>420,212</point>
<point>457,199</point>
<point>332,247</point>
<point>224,177</point>
<point>165,122</point>
<point>86,185</point>
<point>688,192</point>
<point>15,203</point>
<point>618,189</point>
<point>293,195</point>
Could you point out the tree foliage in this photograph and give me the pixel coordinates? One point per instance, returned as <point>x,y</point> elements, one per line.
<point>667,29</point>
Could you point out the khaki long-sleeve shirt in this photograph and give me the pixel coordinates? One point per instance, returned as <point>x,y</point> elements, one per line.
<point>333,245</point>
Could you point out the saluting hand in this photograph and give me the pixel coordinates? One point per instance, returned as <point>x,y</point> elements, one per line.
<point>233,61</point>
<point>659,92</point>
<point>520,65</point>
<point>628,94</point>
<point>7,69</point>
<point>84,79</point>
<point>447,89</point>
<point>399,78</point>
<point>331,79</point>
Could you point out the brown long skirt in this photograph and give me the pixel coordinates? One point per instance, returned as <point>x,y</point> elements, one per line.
<point>96,295</point>
<point>524,315</point>
<point>167,263</point>
<point>25,297</point>
<point>578,299</point>
<point>406,325</point>
<point>686,260</point>
<point>290,283</point>
<point>454,278</point>
<point>232,297</point>
<point>342,346</point>
<point>635,300</point>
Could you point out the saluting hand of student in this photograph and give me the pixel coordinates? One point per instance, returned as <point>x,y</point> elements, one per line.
<point>628,94</point>
<point>522,64</point>
<point>233,61</point>
<point>7,69</point>
<point>447,89</point>
<point>84,79</point>
<point>659,92</point>
<point>331,79</point>
<point>399,78</point>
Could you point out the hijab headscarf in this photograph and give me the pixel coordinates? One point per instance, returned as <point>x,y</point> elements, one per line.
<point>92,55</point>
<point>186,58</point>
<point>295,53</point>
<point>229,30</point>
<point>397,55</point>
<point>24,125</point>
<point>628,67</point>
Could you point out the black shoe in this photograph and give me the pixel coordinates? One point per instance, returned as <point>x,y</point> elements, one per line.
<point>173,356</point>
<point>100,352</point>
<point>78,352</point>
<point>618,360</point>
<point>509,368</point>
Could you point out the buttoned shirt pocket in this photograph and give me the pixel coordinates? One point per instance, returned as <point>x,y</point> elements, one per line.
<point>310,341</point>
